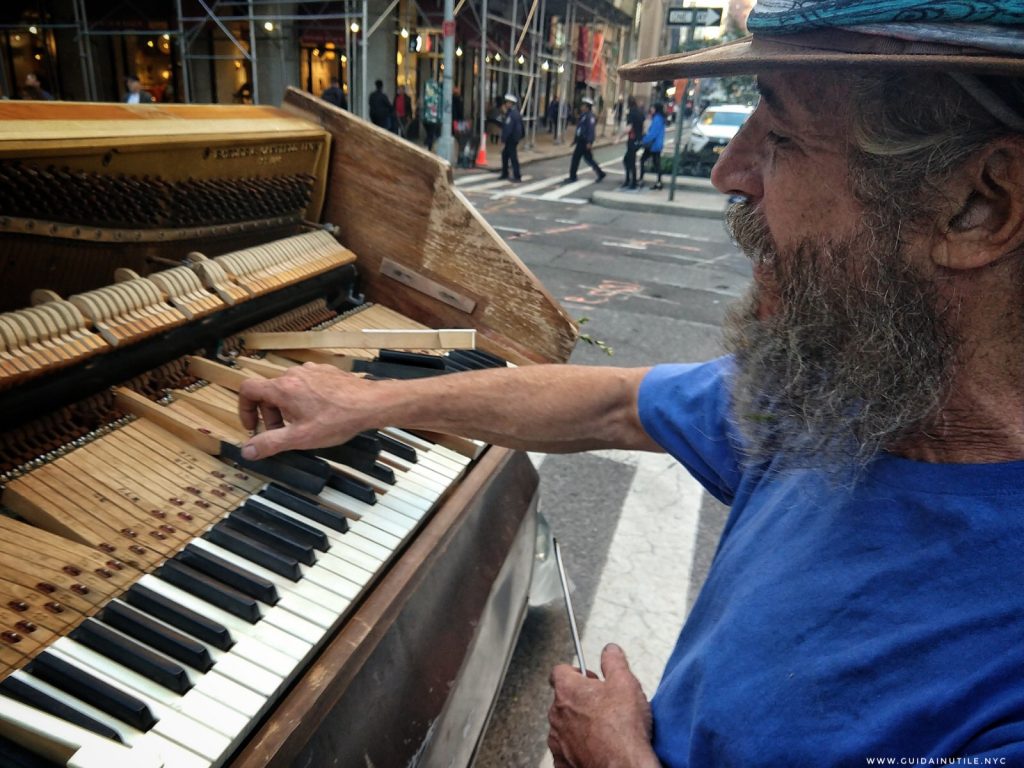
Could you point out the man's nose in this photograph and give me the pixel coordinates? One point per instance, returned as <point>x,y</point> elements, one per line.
<point>738,170</point>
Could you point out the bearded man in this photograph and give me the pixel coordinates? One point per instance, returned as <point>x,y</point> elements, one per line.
<point>867,428</point>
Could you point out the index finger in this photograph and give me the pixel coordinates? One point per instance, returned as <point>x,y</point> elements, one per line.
<point>251,394</point>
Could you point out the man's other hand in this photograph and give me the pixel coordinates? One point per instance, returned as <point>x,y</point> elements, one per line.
<point>600,723</point>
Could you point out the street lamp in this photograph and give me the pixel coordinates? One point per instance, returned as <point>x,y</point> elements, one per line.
<point>354,27</point>
<point>269,26</point>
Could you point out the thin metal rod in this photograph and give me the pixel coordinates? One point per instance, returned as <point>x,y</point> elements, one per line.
<point>568,607</point>
<point>186,86</point>
<point>365,107</point>
<point>381,18</point>
<point>223,28</point>
<point>482,127</point>
<point>253,63</point>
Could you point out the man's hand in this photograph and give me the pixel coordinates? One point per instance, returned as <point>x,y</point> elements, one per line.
<point>600,723</point>
<point>310,406</point>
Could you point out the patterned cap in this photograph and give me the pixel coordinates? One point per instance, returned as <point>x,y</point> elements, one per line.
<point>980,36</point>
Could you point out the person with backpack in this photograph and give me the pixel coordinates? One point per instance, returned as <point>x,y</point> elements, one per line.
<point>653,142</point>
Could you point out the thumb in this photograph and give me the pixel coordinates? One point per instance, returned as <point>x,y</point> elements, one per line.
<point>268,443</point>
<point>613,662</point>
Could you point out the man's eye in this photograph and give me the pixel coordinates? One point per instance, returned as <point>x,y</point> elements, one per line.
<point>777,140</point>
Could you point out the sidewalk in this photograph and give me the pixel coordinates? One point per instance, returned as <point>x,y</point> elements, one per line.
<point>693,196</point>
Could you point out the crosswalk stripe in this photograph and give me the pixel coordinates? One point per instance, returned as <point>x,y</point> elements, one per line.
<point>527,188</point>
<point>567,190</point>
<point>492,185</point>
<point>465,181</point>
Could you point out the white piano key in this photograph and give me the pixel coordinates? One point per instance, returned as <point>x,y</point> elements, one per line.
<point>306,598</point>
<point>396,521</point>
<point>342,544</point>
<point>219,688</point>
<point>61,741</point>
<point>405,489</point>
<point>128,734</point>
<point>223,719</point>
<point>259,680</point>
<point>283,620</point>
<point>172,724</point>
<point>374,539</point>
<point>362,509</point>
<point>425,446</point>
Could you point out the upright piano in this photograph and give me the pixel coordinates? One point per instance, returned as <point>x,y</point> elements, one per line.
<point>163,602</point>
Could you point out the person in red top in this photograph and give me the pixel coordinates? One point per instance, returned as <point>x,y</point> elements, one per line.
<point>403,110</point>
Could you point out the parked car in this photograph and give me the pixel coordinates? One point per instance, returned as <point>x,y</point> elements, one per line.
<point>705,139</point>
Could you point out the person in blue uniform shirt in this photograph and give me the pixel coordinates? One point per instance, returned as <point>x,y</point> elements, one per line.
<point>864,605</point>
<point>584,141</point>
<point>511,134</point>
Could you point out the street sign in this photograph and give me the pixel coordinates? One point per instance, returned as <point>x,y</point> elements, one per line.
<point>448,28</point>
<point>694,17</point>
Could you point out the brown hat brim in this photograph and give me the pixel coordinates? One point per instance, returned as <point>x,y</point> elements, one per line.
<point>830,49</point>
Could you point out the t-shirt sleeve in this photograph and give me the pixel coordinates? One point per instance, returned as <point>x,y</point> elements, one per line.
<point>685,410</point>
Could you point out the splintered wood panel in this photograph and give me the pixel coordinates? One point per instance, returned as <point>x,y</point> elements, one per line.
<point>423,249</point>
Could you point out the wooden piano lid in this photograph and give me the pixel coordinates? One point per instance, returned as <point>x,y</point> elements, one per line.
<point>423,249</point>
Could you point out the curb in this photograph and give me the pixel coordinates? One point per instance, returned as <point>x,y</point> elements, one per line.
<point>620,201</point>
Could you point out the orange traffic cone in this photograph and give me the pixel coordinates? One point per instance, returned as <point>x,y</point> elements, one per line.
<point>481,153</point>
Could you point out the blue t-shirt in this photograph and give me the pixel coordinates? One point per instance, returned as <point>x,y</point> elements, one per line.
<point>836,624</point>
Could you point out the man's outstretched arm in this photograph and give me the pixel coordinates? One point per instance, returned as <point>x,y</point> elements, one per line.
<point>552,408</point>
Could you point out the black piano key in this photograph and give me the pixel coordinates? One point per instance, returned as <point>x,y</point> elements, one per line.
<point>259,553</point>
<point>19,690</point>
<point>179,616</point>
<point>454,365</point>
<point>356,459</point>
<point>357,489</point>
<point>367,441</point>
<point>82,685</point>
<point>466,358</point>
<point>436,362</point>
<point>13,755</point>
<point>306,508</point>
<point>210,590</point>
<point>277,541</point>
<point>398,448</point>
<point>236,576</point>
<point>381,370</point>
<point>129,653</point>
<point>275,470</point>
<point>303,461</point>
<point>493,360</point>
<point>156,635</point>
<point>259,510</point>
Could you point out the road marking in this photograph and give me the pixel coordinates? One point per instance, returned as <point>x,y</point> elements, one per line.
<point>630,246</point>
<point>565,221</point>
<point>676,234</point>
<point>464,181</point>
<point>516,230</point>
<point>491,185</point>
<point>569,201</point>
<point>526,188</point>
<point>567,189</point>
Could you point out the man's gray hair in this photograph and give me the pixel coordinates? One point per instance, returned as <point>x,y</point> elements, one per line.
<point>910,131</point>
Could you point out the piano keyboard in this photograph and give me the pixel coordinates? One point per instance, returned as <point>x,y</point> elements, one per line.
<point>162,622</point>
<point>161,619</point>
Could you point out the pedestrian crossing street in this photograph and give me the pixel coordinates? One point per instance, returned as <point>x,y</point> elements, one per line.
<point>549,188</point>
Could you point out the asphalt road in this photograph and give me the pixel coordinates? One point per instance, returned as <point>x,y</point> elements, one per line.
<point>653,288</point>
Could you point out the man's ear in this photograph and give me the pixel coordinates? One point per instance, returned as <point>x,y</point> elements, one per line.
<point>985,220</point>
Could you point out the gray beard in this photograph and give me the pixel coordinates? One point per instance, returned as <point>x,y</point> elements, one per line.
<point>854,359</point>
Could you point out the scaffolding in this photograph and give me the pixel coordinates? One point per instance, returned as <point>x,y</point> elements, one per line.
<point>539,64</point>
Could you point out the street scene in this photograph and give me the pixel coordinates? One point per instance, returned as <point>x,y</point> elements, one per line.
<point>511,383</point>
<point>638,533</point>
